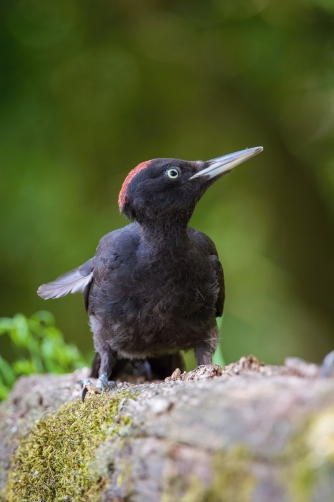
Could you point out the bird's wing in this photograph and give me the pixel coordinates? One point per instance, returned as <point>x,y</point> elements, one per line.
<point>74,281</point>
<point>95,270</point>
<point>220,275</point>
<point>113,264</point>
<point>208,245</point>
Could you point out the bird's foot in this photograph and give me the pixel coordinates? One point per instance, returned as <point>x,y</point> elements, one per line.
<point>87,386</point>
<point>102,386</point>
<point>327,366</point>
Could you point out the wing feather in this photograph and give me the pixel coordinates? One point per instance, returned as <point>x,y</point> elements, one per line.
<point>74,281</point>
<point>209,246</point>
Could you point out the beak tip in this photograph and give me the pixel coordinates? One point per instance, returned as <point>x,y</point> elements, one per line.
<point>226,163</point>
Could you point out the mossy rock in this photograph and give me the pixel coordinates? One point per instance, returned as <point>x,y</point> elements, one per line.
<point>257,436</point>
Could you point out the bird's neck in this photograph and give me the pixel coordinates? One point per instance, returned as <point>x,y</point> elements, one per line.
<point>166,233</point>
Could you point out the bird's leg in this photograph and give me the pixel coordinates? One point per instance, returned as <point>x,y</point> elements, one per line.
<point>108,359</point>
<point>205,350</point>
<point>148,370</point>
<point>327,365</point>
<point>204,354</point>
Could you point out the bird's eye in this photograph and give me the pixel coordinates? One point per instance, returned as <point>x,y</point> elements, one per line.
<point>172,173</point>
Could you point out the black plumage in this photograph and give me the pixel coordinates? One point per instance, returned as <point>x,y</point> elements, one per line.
<point>156,286</point>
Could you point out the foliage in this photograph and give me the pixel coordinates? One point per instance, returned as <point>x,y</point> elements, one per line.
<point>89,90</point>
<point>39,347</point>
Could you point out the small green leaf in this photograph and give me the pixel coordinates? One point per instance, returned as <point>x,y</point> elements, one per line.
<point>24,367</point>
<point>7,373</point>
<point>6,325</point>
<point>45,317</point>
<point>40,348</point>
<point>4,391</point>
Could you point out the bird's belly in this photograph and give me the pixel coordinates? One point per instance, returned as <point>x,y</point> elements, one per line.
<point>146,339</point>
<point>159,307</point>
<point>159,322</point>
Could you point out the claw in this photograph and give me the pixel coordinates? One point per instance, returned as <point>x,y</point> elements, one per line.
<point>87,386</point>
<point>102,386</point>
<point>327,365</point>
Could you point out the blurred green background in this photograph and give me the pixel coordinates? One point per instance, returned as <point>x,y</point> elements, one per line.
<point>90,89</point>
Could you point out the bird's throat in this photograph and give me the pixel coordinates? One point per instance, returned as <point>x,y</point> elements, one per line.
<point>165,235</point>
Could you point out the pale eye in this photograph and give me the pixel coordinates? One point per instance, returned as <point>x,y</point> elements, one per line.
<point>172,173</point>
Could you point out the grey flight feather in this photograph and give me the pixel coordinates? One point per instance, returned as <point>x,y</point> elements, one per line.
<point>74,281</point>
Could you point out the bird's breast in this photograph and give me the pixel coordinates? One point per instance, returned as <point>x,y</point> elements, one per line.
<point>157,305</point>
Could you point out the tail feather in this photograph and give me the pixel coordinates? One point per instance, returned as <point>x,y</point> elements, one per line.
<point>71,282</point>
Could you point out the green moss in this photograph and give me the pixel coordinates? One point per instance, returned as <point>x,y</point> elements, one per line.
<point>305,464</point>
<point>311,455</point>
<point>232,481</point>
<point>52,462</point>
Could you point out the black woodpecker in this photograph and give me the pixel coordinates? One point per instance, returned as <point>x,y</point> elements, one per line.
<point>156,286</point>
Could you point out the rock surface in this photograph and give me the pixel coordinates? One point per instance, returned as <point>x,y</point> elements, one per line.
<point>249,433</point>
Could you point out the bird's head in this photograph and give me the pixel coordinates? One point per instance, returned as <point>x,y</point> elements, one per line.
<point>163,189</point>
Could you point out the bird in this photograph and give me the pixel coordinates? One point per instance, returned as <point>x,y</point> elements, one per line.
<point>154,287</point>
